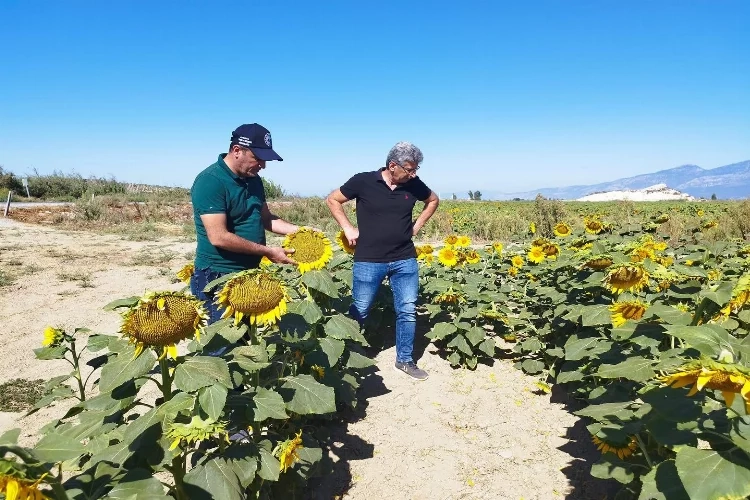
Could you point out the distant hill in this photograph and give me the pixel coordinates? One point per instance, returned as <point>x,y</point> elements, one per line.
<point>730,181</point>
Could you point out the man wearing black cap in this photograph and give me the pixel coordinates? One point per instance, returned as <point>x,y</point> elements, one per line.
<point>231,214</point>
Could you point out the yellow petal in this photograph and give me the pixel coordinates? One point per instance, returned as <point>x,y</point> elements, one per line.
<point>171,351</point>
<point>11,489</point>
<point>693,391</point>
<point>728,397</point>
<point>160,303</point>
<point>138,350</point>
<point>745,391</point>
<point>175,444</point>
<point>703,379</point>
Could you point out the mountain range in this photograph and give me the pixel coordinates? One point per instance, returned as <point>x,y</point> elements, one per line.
<point>727,182</point>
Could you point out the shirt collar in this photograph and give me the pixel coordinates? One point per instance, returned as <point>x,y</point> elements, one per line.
<point>226,168</point>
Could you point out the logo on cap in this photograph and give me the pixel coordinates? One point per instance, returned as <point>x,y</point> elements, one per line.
<point>244,141</point>
<point>267,139</point>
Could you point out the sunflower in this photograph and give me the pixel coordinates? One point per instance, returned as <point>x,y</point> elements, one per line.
<point>265,262</point>
<point>312,250</point>
<point>626,277</point>
<point>16,488</point>
<point>427,259</point>
<point>287,451</point>
<point>622,450</point>
<point>197,430</point>
<point>497,247</point>
<point>562,230</point>
<point>551,250</point>
<point>729,378</point>
<point>516,260</point>
<point>318,371</point>
<point>700,212</point>
<point>513,271</point>
<point>714,274</point>
<point>662,218</point>
<point>664,261</point>
<point>449,297</point>
<point>186,272</point>
<point>423,251</point>
<point>472,257</point>
<point>660,246</point>
<point>640,254</point>
<point>448,256</point>
<point>52,337</point>
<point>598,263</point>
<point>536,255</point>
<point>710,224</point>
<point>254,293</point>
<point>161,319</point>
<point>451,240</point>
<point>463,242</point>
<point>627,310</point>
<point>532,228</point>
<point>593,226</point>
<point>540,242</point>
<point>344,243</point>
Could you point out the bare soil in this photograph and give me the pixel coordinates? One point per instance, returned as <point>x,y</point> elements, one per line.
<point>483,434</point>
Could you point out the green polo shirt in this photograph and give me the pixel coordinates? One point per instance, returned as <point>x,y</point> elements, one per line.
<point>218,190</point>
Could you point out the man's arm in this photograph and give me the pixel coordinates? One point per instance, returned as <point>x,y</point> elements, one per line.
<point>220,237</point>
<point>335,202</point>
<point>430,205</point>
<point>276,224</point>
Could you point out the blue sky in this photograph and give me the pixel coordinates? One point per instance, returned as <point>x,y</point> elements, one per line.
<point>500,96</point>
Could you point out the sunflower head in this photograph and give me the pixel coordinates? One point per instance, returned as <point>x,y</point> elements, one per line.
<point>622,449</point>
<point>598,262</point>
<point>562,230</point>
<point>540,242</point>
<point>186,272</point>
<point>423,251</point>
<point>497,247</point>
<point>627,311</point>
<point>197,430</point>
<point>53,337</point>
<point>287,451</point>
<point>513,271</point>
<point>729,378</point>
<point>344,243</point>
<point>256,294</point>
<point>449,297</point>
<point>536,255</point>
<point>463,241</point>
<point>551,250</point>
<point>661,219</point>
<point>161,319</point>
<point>451,240</point>
<point>532,228</point>
<point>516,261</point>
<point>448,256</point>
<point>428,259</point>
<point>472,257</point>
<point>312,250</point>
<point>20,488</point>
<point>626,277</point>
<point>593,226</point>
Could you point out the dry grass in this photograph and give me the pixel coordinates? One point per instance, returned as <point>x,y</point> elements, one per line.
<point>20,394</point>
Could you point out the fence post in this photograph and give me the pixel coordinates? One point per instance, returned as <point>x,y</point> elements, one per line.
<point>7,204</point>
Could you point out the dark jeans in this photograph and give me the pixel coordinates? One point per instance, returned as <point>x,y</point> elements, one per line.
<point>201,278</point>
<point>404,278</point>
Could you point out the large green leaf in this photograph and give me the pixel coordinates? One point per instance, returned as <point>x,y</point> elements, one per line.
<point>125,368</point>
<point>321,281</point>
<point>98,342</point>
<point>721,295</point>
<point>243,458</point>
<point>213,480</point>
<point>10,437</point>
<point>636,368</point>
<point>460,343</point>
<point>576,349</point>
<point>138,484</point>
<point>333,348</point>
<point>532,366</point>
<point>212,399</point>
<point>488,347</point>
<point>357,361</point>
<point>340,327</point>
<point>596,315</point>
<point>710,341</point>
<point>127,302</point>
<point>305,396</point>
<point>607,411</point>
<point>202,371</point>
<point>707,474</point>
<point>610,467</point>
<point>269,465</point>
<point>475,335</point>
<point>308,309</point>
<point>269,404</point>
<point>670,314</point>
<point>441,330</point>
<point>57,448</point>
<point>47,353</point>
<point>663,483</point>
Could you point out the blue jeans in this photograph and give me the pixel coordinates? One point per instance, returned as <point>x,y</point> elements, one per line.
<point>404,278</point>
<point>199,280</point>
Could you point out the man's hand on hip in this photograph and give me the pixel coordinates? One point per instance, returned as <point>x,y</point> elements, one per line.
<point>352,235</point>
<point>280,255</point>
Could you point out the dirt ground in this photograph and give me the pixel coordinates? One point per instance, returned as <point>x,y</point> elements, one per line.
<point>483,434</point>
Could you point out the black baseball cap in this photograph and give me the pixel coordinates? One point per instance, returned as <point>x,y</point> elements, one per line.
<point>257,139</point>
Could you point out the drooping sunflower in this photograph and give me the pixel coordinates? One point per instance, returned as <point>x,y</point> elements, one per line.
<point>16,488</point>
<point>449,297</point>
<point>497,247</point>
<point>562,230</point>
<point>423,251</point>
<point>729,378</point>
<point>622,450</point>
<point>551,251</point>
<point>640,254</point>
<point>463,241</point>
<point>710,224</point>
<point>451,240</point>
<point>427,259</point>
<point>599,263</point>
<point>287,451</point>
<point>161,319</point>
<point>662,218</point>
<point>196,430</point>
<point>52,337</point>
<point>448,256</point>
<point>517,261</point>
<point>627,310</point>
<point>186,272</point>
<point>536,255</point>
<point>714,274</point>
<point>344,243</point>
<point>472,257</point>
<point>513,271</point>
<point>312,250</point>
<point>256,294</point>
<point>626,277</point>
<point>740,296</point>
<point>593,226</point>
<point>540,242</point>
<point>318,371</point>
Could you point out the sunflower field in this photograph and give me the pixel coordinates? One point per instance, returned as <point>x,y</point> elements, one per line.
<point>648,330</point>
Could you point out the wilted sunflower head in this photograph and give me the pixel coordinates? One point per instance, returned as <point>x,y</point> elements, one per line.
<point>186,272</point>
<point>562,230</point>
<point>448,256</point>
<point>52,337</point>
<point>622,312</point>
<point>513,271</point>
<point>449,297</point>
<point>463,241</point>
<point>451,240</point>
<point>161,319</point>
<point>423,251</point>
<point>516,261</point>
<point>287,451</point>
<point>540,242</point>
<point>472,257</point>
<point>21,488</point>
<point>593,226</point>
<point>312,250</point>
<point>626,277</point>
<point>256,294</point>
<point>621,449</point>
<point>344,242</point>
<point>551,250</point>
<point>536,255</point>
<point>598,262</point>
<point>729,378</point>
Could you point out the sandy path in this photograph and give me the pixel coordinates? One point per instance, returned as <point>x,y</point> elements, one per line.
<point>486,434</point>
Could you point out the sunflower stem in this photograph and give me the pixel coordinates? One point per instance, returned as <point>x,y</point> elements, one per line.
<point>642,446</point>
<point>178,462</point>
<point>77,370</point>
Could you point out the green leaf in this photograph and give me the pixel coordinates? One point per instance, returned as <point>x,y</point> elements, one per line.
<point>47,353</point>
<point>709,341</point>
<point>243,458</point>
<point>128,302</point>
<point>613,468</point>
<point>124,368</point>
<point>596,315</point>
<point>321,281</point>
<point>308,396</point>
<point>269,465</point>
<point>608,411</point>
<point>441,330</point>
<point>488,347</point>
<point>475,335</point>
<point>97,342</point>
<point>636,368</point>
<point>201,371</point>
<point>340,327</point>
<point>308,309</point>
<point>577,349</point>
<point>10,437</point>
<point>269,404</point>
<point>233,333</point>
<point>670,314</point>
<point>358,361</point>
<point>460,343</point>
<point>532,366</point>
<point>707,474</point>
<point>212,400</point>
<point>218,281</point>
<point>333,348</point>
<point>138,484</point>
<point>212,480</point>
<point>58,448</point>
<point>721,295</point>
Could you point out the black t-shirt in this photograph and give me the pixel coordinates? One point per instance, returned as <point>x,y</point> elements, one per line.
<point>384,216</point>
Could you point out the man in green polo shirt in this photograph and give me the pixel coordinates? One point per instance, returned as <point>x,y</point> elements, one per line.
<point>231,214</point>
